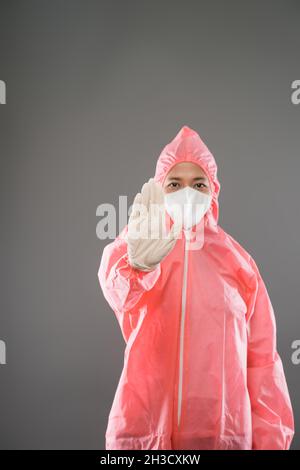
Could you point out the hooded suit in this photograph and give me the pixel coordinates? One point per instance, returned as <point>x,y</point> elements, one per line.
<point>201,367</point>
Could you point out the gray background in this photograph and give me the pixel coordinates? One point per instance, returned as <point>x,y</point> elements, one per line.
<point>95,89</point>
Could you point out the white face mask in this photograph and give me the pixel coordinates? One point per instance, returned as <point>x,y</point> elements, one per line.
<point>187,203</point>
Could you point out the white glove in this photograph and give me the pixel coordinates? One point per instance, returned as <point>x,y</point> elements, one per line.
<point>148,241</point>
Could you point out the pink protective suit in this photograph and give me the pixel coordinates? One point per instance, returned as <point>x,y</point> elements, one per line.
<point>201,369</point>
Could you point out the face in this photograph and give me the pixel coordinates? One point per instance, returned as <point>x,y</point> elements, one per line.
<point>186,174</point>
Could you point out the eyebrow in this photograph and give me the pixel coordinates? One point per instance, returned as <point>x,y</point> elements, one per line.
<point>194,179</point>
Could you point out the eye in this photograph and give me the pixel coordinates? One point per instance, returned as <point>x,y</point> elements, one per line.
<point>198,185</point>
<point>173,184</point>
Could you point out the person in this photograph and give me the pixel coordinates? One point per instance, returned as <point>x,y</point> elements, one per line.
<point>201,366</point>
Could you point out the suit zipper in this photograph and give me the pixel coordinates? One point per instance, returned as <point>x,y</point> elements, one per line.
<point>182,323</point>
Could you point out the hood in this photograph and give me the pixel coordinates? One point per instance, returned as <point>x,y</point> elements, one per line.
<point>187,146</point>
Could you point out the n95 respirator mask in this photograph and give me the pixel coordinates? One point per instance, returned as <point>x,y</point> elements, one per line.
<point>188,204</point>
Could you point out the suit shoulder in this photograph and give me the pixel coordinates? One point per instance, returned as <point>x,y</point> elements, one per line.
<point>237,247</point>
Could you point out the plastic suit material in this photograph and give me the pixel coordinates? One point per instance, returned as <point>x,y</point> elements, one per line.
<point>201,367</point>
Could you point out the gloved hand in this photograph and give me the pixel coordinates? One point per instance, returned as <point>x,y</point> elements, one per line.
<point>148,241</point>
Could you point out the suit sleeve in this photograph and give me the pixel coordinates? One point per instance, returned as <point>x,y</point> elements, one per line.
<point>272,414</point>
<point>123,286</point>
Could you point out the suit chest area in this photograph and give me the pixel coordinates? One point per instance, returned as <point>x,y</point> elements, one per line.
<point>201,284</point>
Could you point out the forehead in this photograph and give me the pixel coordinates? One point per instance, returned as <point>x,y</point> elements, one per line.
<point>186,170</point>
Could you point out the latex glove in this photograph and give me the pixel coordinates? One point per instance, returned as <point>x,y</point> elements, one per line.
<point>148,241</point>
